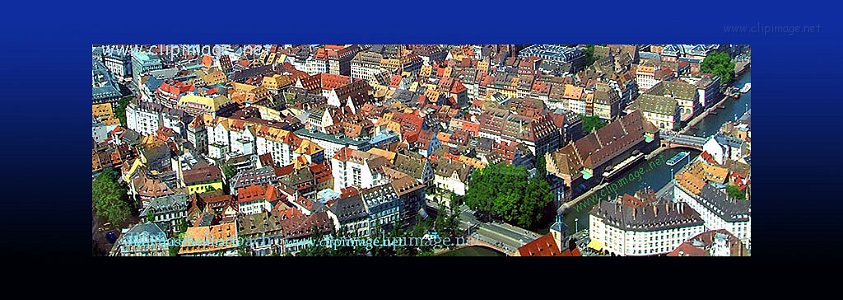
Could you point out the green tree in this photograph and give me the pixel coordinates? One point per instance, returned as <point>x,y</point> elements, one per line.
<point>506,192</point>
<point>109,198</point>
<point>735,192</point>
<point>229,171</point>
<point>720,64</point>
<point>590,123</point>
<point>120,110</point>
<point>541,167</point>
<point>243,249</point>
<point>589,55</point>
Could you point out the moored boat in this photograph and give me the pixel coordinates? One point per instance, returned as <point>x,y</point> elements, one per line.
<point>675,159</point>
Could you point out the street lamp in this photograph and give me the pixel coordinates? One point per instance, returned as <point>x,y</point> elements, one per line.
<point>576,225</point>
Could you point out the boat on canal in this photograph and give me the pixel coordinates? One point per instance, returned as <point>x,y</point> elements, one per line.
<point>746,87</point>
<point>678,157</point>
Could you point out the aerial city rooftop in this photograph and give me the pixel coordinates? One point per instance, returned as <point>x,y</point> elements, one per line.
<point>516,150</point>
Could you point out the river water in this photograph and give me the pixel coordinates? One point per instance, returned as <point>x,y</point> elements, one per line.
<point>734,108</point>
<point>658,176</point>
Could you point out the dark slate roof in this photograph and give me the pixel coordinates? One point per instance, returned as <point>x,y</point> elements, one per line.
<point>727,208</point>
<point>349,208</point>
<point>167,204</point>
<point>732,142</point>
<point>262,223</point>
<point>145,233</point>
<point>650,217</point>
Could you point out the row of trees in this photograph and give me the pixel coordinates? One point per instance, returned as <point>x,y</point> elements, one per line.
<point>507,192</point>
<point>120,110</point>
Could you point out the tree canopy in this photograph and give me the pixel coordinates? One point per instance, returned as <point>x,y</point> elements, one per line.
<point>720,64</point>
<point>590,123</point>
<point>589,55</point>
<point>735,192</point>
<point>109,198</point>
<point>120,110</point>
<point>508,193</point>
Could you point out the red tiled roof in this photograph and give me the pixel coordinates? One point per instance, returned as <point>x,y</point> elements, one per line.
<point>542,246</point>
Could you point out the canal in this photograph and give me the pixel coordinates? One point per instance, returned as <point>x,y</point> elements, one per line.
<point>657,176</point>
<point>654,177</point>
<point>735,108</point>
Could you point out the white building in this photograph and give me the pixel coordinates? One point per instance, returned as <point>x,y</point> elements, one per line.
<point>255,199</point>
<point>366,65</point>
<point>332,143</point>
<point>664,112</point>
<point>356,168</point>
<point>315,66</point>
<point>452,176</point>
<point>723,148</point>
<point>719,211</point>
<point>147,117</point>
<point>144,122</point>
<point>119,64</point>
<point>651,229</point>
<point>235,137</point>
<point>100,132</point>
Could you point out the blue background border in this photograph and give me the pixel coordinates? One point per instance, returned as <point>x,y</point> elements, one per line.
<point>45,69</point>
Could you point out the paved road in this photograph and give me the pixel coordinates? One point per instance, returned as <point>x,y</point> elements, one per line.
<point>504,235</point>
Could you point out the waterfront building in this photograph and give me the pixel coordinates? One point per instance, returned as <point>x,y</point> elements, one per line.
<point>452,176</point>
<point>350,216</point>
<point>684,93</point>
<point>723,148</point>
<point>300,230</point>
<point>664,112</point>
<point>711,243</point>
<point>717,208</point>
<point>642,225</point>
<point>383,206</point>
<point>580,163</point>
